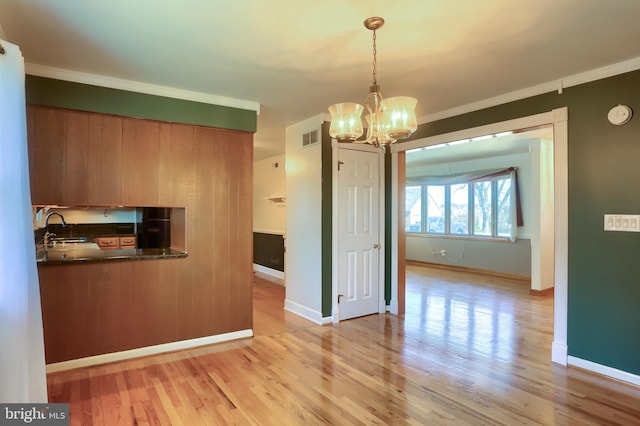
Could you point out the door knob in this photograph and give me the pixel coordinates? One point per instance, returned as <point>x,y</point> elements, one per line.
<point>376,245</point>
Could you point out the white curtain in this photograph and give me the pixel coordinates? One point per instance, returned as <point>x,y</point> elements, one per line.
<point>22,365</point>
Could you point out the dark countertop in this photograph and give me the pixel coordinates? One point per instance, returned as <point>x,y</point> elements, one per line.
<point>90,252</point>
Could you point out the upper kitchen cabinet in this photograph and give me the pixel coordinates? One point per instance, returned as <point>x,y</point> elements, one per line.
<point>47,132</point>
<point>140,160</point>
<point>104,178</point>
<point>74,157</point>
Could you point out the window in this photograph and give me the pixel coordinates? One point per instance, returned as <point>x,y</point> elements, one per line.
<point>482,205</point>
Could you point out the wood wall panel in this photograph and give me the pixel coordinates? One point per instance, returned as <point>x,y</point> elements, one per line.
<point>31,131</point>
<point>165,165</point>
<point>96,308</point>
<point>76,164</point>
<point>140,162</point>
<point>105,160</point>
<point>65,307</point>
<point>243,317</point>
<point>48,144</point>
<point>181,165</point>
<point>203,244</point>
<point>104,296</point>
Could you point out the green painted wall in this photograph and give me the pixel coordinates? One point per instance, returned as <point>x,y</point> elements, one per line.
<point>84,97</point>
<point>327,220</point>
<point>604,177</point>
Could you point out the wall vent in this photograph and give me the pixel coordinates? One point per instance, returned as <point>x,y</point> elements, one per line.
<point>310,138</point>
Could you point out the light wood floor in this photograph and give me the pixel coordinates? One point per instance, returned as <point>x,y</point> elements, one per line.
<point>471,350</point>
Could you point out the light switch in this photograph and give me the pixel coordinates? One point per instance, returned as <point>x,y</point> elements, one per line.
<point>622,222</point>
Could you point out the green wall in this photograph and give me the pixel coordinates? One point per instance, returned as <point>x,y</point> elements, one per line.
<point>604,177</point>
<point>84,97</point>
<point>327,221</point>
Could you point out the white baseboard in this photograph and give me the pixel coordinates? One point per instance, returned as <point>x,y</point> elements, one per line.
<point>304,312</point>
<point>268,271</point>
<point>604,370</point>
<point>148,350</point>
<point>559,353</point>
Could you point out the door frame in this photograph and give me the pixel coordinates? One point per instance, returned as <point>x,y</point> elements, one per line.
<point>335,147</point>
<point>559,119</point>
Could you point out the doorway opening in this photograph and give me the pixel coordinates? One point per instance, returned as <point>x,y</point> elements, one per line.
<point>557,120</point>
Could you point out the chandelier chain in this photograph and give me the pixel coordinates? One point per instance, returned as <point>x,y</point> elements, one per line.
<point>375,82</point>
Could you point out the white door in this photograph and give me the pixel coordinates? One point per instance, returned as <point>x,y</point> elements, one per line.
<point>359,250</point>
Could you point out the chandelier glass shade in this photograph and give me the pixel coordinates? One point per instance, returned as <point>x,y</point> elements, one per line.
<point>387,119</point>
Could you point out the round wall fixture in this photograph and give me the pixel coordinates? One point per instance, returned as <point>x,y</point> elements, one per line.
<point>619,115</point>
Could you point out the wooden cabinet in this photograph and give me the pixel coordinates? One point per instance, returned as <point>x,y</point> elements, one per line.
<point>47,131</point>
<point>128,242</point>
<point>115,243</point>
<point>104,170</point>
<point>108,243</point>
<point>140,162</point>
<point>75,157</point>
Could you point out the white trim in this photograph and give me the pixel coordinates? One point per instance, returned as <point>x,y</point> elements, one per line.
<point>561,234</point>
<point>557,117</point>
<point>393,306</point>
<point>268,271</point>
<point>148,350</point>
<point>335,147</point>
<point>381,228</point>
<point>139,87</point>
<point>305,312</point>
<point>551,86</point>
<point>559,353</point>
<point>334,232</point>
<point>604,370</point>
<point>488,129</point>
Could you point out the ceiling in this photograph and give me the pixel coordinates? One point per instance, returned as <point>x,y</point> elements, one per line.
<point>296,57</point>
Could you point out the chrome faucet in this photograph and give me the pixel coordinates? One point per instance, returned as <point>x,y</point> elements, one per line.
<point>47,234</point>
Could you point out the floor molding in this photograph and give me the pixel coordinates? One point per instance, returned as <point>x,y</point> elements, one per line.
<point>604,370</point>
<point>498,274</point>
<point>272,273</point>
<point>304,312</point>
<point>146,351</point>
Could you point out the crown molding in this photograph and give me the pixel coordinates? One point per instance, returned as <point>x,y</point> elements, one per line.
<point>551,86</point>
<point>136,86</point>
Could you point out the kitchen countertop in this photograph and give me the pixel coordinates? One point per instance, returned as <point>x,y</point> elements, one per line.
<point>90,252</point>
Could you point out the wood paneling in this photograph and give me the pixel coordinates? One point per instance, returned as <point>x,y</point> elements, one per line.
<point>105,160</point>
<point>65,305</point>
<point>76,160</point>
<point>131,304</point>
<point>140,162</point>
<point>47,143</point>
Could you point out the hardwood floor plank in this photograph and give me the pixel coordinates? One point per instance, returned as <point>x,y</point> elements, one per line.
<point>470,350</point>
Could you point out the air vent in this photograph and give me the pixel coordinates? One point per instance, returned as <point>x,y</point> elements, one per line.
<point>310,138</point>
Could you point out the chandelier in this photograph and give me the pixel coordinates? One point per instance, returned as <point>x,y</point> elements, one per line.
<point>387,120</point>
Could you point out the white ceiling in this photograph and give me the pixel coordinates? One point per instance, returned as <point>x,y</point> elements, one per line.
<point>296,57</point>
<point>481,146</point>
